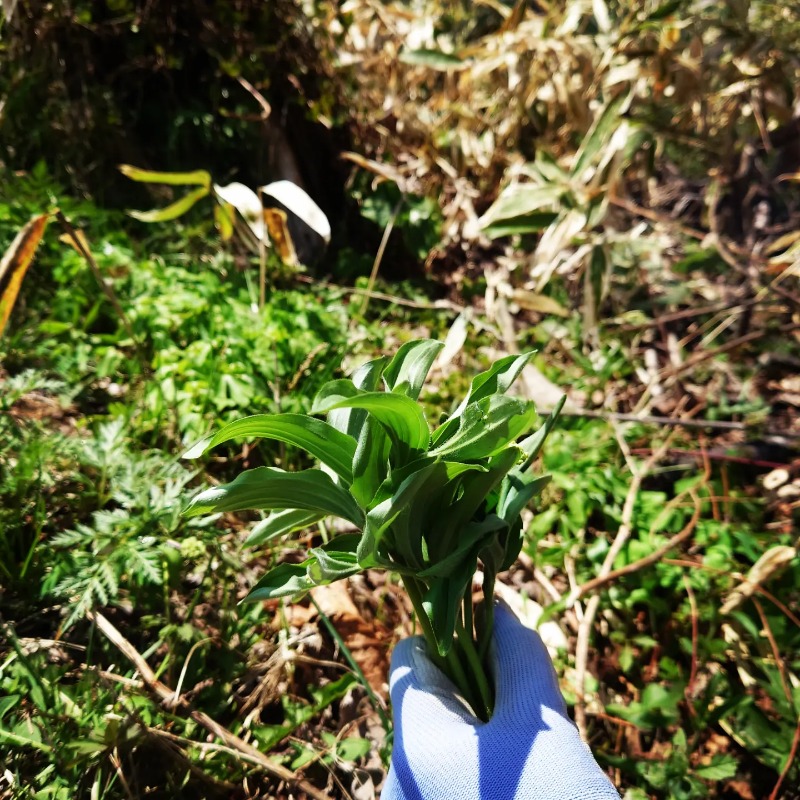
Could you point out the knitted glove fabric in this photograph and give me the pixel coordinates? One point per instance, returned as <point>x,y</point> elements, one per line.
<point>529,749</point>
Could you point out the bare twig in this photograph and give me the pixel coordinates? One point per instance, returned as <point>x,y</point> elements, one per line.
<point>686,313</point>
<point>387,232</point>
<point>113,757</point>
<point>266,108</point>
<point>436,305</point>
<point>672,373</point>
<point>757,588</point>
<point>650,420</point>
<point>307,361</point>
<point>166,695</point>
<point>690,686</point>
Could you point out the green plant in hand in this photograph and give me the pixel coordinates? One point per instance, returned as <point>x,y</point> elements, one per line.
<point>425,504</point>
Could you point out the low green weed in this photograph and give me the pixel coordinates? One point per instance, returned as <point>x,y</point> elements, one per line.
<point>702,689</point>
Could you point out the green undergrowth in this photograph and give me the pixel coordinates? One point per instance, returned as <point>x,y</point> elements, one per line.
<point>92,427</point>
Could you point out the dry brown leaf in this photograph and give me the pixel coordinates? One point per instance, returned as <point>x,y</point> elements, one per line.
<point>368,641</point>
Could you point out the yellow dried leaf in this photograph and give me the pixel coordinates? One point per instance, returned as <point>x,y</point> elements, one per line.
<point>15,264</point>
<point>538,302</point>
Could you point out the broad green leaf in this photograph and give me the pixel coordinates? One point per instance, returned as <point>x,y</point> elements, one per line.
<point>467,546</point>
<point>335,560</point>
<point>519,488</point>
<point>400,416</point>
<point>442,602</point>
<point>366,378</point>
<point>486,427</point>
<point>8,702</point>
<point>433,59</point>
<point>371,461</point>
<point>520,200</point>
<point>284,580</point>
<point>428,515</point>
<point>410,366</point>
<point>279,523</point>
<point>25,736</point>
<point>274,489</point>
<point>495,380</point>
<point>598,135</point>
<point>316,437</point>
<point>417,497</point>
<point>475,488</point>
<point>173,210</point>
<point>331,394</point>
<point>533,443</point>
<point>720,768</point>
<point>351,748</point>
<point>198,177</point>
<point>372,449</point>
<point>521,226</point>
<point>382,515</point>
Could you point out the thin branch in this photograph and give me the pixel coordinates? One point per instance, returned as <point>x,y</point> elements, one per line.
<point>686,313</point>
<point>651,420</point>
<point>387,232</point>
<point>673,373</point>
<point>757,588</point>
<point>690,686</point>
<point>166,695</point>
<point>266,108</point>
<point>436,305</point>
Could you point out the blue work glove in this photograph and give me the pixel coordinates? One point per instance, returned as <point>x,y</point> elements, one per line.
<point>529,749</point>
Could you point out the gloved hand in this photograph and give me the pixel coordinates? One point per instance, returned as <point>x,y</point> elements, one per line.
<point>529,749</point>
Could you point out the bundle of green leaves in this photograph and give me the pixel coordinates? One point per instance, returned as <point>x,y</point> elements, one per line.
<point>428,505</point>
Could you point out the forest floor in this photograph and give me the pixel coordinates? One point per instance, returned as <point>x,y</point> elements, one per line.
<point>656,280</point>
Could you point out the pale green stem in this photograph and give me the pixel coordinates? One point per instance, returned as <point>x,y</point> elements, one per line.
<point>478,672</point>
<point>451,664</point>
